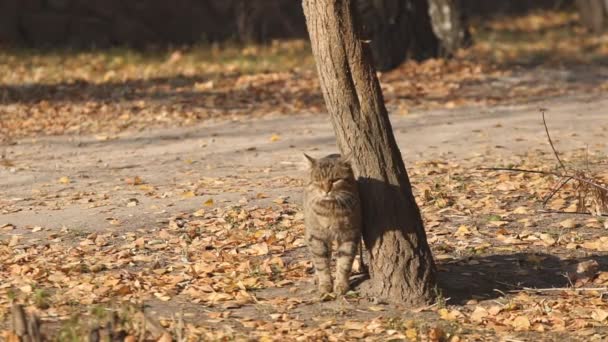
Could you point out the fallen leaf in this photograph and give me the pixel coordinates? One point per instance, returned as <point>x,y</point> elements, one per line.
<point>569,223</point>
<point>462,231</point>
<point>479,314</point>
<point>599,315</point>
<point>521,323</point>
<point>188,194</point>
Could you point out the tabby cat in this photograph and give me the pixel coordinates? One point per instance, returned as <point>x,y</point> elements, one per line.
<point>332,212</point>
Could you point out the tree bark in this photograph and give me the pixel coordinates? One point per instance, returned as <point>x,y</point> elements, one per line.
<point>400,262</point>
<point>594,14</point>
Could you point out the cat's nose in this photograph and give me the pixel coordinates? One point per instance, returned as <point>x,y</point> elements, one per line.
<point>327,187</point>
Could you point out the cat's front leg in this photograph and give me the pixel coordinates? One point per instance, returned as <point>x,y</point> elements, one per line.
<point>344,262</point>
<point>321,257</point>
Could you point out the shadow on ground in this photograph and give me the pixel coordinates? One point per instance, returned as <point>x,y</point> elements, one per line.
<point>493,276</point>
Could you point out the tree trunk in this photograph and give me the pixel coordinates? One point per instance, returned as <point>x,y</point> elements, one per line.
<point>400,261</point>
<point>594,14</point>
<point>449,25</point>
<point>262,21</point>
<point>397,30</point>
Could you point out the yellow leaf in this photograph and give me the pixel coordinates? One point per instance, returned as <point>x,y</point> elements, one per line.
<point>411,334</point>
<point>259,249</point>
<point>146,187</point>
<point>521,323</point>
<point>188,194</point>
<point>64,180</point>
<point>547,238</point>
<point>462,231</point>
<point>569,223</point>
<point>353,325</point>
<point>479,314</point>
<point>376,308</point>
<point>449,315</point>
<point>599,315</point>
<point>26,289</point>
<point>275,137</point>
<point>208,203</point>
<point>162,296</point>
<point>14,241</point>
<point>521,210</point>
<point>494,310</point>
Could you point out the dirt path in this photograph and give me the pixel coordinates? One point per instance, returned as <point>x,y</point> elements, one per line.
<point>98,170</point>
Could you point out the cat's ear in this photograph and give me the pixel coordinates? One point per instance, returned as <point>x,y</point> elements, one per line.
<point>311,161</point>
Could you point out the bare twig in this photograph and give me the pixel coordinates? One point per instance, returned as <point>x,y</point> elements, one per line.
<point>556,190</point>
<point>542,111</point>
<point>551,289</point>
<point>568,212</point>
<point>547,173</point>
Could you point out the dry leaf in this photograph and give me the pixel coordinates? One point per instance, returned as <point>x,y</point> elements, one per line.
<point>599,315</point>
<point>569,223</point>
<point>521,323</point>
<point>479,314</point>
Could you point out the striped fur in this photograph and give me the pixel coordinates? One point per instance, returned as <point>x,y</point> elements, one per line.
<point>332,212</point>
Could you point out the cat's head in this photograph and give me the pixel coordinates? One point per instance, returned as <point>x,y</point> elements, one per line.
<point>330,175</point>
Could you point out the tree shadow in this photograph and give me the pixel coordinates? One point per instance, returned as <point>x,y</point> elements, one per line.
<point>192,91</point>
<point>475,277</point>
<point>489,277</point>
<point>81,91</point>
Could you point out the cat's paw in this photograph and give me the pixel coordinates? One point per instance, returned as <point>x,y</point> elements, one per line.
<point>341,288</point>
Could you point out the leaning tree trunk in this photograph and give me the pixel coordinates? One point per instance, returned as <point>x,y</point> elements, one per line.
<point>449,25</point>
<point>400,261</point>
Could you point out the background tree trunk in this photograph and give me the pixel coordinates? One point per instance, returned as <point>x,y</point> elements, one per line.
<point>449,25</point>
<point>398,30</point>
<point>400,261</point>
<point>262,21</point>
<point>594,14</point>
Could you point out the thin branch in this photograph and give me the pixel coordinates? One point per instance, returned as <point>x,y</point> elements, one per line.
<point>558,188</point>
<point>547,173</point>
<point>551,289</point>
<point>590,182</point>
<point>569,212</point>
<point>543,110</point>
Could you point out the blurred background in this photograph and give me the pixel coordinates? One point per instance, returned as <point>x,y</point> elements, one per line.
<point>139,24</point>
<point>70,65</point>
